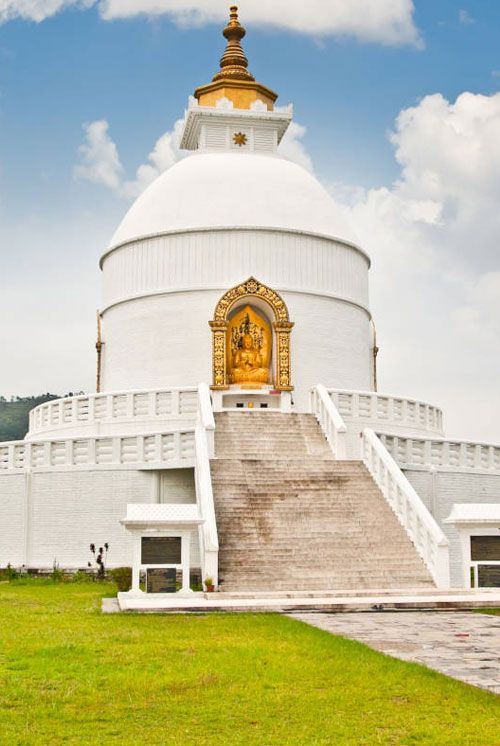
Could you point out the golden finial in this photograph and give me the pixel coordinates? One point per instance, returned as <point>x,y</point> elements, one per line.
<point>234,64</point>
<point>233,81</point>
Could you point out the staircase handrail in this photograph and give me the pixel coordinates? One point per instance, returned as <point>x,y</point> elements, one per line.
<point>205,410</point>
<point>206,416</point>
<point>425,533</point>
<point>330,420</point>
<point>204,451</point>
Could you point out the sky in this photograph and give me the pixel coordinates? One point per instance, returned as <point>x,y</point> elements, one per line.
<point>397,111</point>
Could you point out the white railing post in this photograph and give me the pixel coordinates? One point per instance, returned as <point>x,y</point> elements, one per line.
<point>331,422</point>
<point>429,540</point>
<point>442,563</point>
<point>175,403</point>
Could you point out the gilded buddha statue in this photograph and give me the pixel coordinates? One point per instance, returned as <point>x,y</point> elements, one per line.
<point>248,364</point>
<point>249,349</point>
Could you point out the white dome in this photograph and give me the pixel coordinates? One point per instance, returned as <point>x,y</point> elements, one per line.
<point>228,190</point>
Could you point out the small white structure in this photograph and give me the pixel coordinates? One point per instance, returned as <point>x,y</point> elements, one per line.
<point>479,529</point>
<point>161,541</point>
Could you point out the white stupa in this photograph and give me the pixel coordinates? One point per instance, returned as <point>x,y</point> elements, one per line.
<point>234,209</point>
<point>236,425</point>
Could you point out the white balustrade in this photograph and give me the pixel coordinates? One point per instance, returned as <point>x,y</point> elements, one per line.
<point>428,538</point>
<point>204,448</point>
<point>382,411</point>
<point>150,451</point>
<point>330,421</point>
<point>448,455</point>
<point>94,409</point>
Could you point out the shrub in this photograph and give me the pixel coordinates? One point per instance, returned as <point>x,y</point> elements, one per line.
<point>99,559</point>
<point>122,576</point>
<point>80,576</point>
<point>57,573</point>
<point>9,573</point>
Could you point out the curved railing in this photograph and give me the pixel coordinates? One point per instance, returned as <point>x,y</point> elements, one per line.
<point>385,412</point>
<point>106,408</point>
<point>448,455</point>
<point>166,450</point>
<point>428,539</point>
<point>330,421</point>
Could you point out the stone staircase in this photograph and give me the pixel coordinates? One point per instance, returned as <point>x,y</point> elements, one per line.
<point>291,518</point>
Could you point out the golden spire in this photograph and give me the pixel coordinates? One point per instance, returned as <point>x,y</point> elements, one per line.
<point>234,81</point>
<point>234,64</point>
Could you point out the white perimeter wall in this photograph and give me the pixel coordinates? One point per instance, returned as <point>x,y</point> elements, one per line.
<point>56,516</point>
<point>440,490</point>
<point>13,519</point>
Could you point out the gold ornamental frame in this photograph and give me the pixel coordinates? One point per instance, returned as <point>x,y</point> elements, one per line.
<point>282,326</point>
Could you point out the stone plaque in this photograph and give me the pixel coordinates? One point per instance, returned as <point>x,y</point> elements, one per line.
<point>489,576</point>
<point>484,548</point>
<point>161,550</point>
<point>161,581</point>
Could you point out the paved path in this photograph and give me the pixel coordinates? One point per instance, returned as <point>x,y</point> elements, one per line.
<point>463,645</point>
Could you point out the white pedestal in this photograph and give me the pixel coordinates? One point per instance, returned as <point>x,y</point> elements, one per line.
<point>265,399</point>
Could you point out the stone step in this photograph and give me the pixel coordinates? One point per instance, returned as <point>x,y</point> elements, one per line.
<point>295,577</point>
<point>322,465</point>
<point>291,518</point>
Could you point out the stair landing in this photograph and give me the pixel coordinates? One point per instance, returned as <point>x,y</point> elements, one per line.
<point>404,600</point>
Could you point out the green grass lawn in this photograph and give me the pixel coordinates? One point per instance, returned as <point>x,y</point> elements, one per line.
<point>69,675</point>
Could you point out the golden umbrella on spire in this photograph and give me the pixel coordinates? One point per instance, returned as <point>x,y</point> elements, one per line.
<point>234,64</point>
<point>234,81</point>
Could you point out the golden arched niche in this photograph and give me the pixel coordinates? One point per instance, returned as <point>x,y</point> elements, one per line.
<point>249,346</point>
<point>236,358</point>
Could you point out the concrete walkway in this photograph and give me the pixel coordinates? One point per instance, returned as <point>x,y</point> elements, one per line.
<point>465,646</point>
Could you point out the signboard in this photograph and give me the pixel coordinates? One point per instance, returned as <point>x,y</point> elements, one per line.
<point>161,581</point>
<point>488,576</point>
<point>485,548</point>
<point>161,550</point>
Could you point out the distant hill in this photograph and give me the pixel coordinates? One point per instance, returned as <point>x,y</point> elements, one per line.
<point>14,417</point>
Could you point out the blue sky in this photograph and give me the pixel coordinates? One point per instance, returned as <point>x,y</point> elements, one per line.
<point>136,73</point>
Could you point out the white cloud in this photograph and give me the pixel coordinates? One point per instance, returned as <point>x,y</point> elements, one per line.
<point>465,18</point>
<point>445,199</point>
<point>165,153</point>
<point>450,154</point>
<point>98,157</point>
<point>433,237</point>
<point>385,21</point>
<point>51,307</point>
<point>99,161</point>
<point>38,10</point>
<point>293,148</point>
<point>479,317</point>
